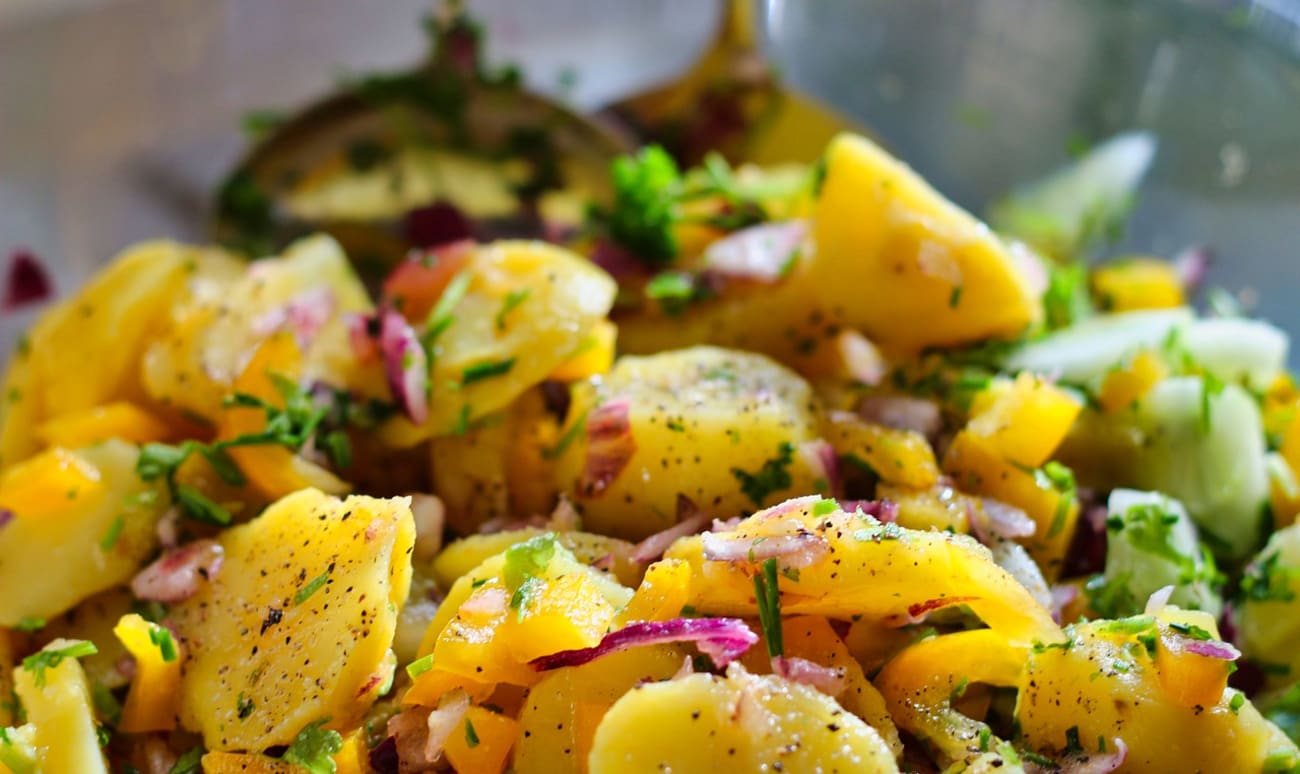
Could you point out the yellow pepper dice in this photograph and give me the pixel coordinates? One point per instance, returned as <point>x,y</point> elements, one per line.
<point>662,594</point>
<point>1026,422</point>
<point>48,484</point>
<point>126,421</point>
<point>978,468</point>
<point>1137,283</point>
<point>482,742</point>
<point>595,354</point>
<point>1124,386</point>
<point>940,507</point>
<point>272,469</point>
<point>901,457</point>
<point>153,700</point>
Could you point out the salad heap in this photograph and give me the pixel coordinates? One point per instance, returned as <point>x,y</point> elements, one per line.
<point>763,470</point>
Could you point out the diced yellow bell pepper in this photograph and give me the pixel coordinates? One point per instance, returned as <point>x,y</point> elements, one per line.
<point>1026,423</point>
<point>48,484</point>
<point>154,697</point>
<point>662,593</point>
<point>1283,491</point>
<point>274,470</point>
<point>939,507</point>
<point>429,687</point>
<point>595,354</point>
<point>977,468</point>
<point>1189,679</point>
<point>126,421</point>
<point>1281,404</point>
<point>1137,283</point>
<point>245,763</point>
<point>901,457</point>
<point>482,742</point>
<point>353,758</point>
<point>1123,387</point>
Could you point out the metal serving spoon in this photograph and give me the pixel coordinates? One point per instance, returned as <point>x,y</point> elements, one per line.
<point>454,150</point>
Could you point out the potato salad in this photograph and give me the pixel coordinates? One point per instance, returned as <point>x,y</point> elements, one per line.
<point>796,469</point>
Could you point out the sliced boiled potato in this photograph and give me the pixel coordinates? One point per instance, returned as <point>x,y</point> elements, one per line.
<point>104,328</point>
<point>462,556</point>
<point>850,566</point>
<point>561,713</point>
<point>229,307</point>
<point>910,268</point>
<point>83,522</point>
<point>484,359</point>
<point>58,705</point>
<point>741,722</point>
<point>729,430</point>
<point>296,626</point>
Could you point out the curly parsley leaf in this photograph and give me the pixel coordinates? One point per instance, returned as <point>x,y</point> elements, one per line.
<point>313,747</point>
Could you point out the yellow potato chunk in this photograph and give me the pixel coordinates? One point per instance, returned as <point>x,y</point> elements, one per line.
<point>1106,685</point>
<point>83,522</point>
<point>480,365</point>
<point>741,722</point>
<point>1025,423</point>
<point>562,712</point>
<point>57,700</point>
<point>853,566</point>
<point>230,307</point>
<point>726,429</point>
<point>297,625</point>
<point>907,266</point>
<point>104,329</point>
<point>1137,283</point>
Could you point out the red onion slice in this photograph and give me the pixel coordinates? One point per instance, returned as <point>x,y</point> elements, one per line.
<point>902,412</point>
<point>363,330</point>
<point>862,359</point>
<point>405,365</point>
<point>610,445</point>
<point>1191,265</point>
<point>820,457</point>
<point>722,639</point>
<point>437,225</point>
<point>828,680</point>
<point>1158,600</point>
<point>690,520</point>
<point>175,576</point>
<point>799,549</point>
<point>995,520</point>
<point>884,511</point>
<point>1092,763</point>
<point>761,253</point>
<point>1216,649</point>
<point>917,612</point>
<point>26,282</point>
<point>443,721</point>
<point>6,516</point>
<point>789,506</point>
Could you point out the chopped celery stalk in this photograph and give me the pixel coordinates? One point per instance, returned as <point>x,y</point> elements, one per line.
<point>1083,353</point>
<point>1235,349</point>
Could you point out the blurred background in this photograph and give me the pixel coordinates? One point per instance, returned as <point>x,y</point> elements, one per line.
<point>118,117</point>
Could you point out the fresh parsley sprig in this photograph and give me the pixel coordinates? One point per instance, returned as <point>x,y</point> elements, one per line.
<point>768,597</point>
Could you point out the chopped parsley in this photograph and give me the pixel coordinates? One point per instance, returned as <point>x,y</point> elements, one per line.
<point>958,690</point>
<point>524,563</point>
<point>1265,581</point>
<point>1066,301</point>
<point>570,435</point>
<point>314,747</point>
<point>488,370</point>
<point>1237,701</point>
<point>30,623</point>
<point>312,586</point>
<point>106,704</point>
<point>161,636</point>
<point>1060,478</point>
<point>511,302</point>
<point>112,534</point>
<point>825,506</point>
<point>767,595</point>
<point>774,476</point>
<point>244,707</point>
<point>419,666</point>
<point>673,290</point>
<point>471,736</point>
<point>1072,744</point>
<point>440,317</point>
<point>189,763</point>
<point>38,662</point>
<point>1191,631</point>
